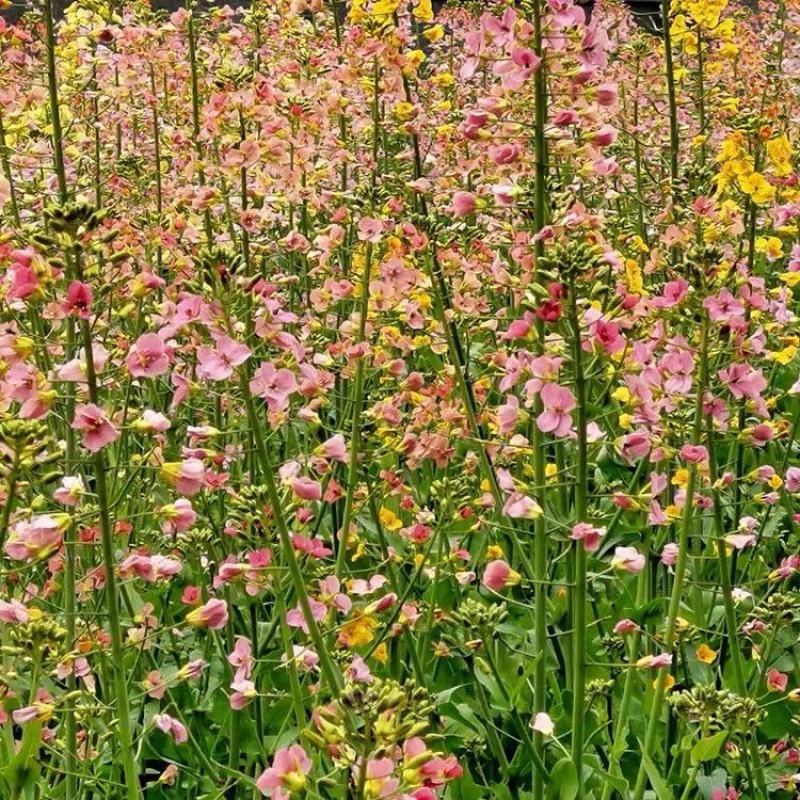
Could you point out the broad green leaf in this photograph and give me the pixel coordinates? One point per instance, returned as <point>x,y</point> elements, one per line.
<point>708,748</point>
<point>656,781</point>
<point>563,780</point>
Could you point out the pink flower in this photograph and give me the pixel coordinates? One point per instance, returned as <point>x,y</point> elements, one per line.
<point>608,337</point>
<point>628,559</point>
<point>13,612</point>
<point>333,448</point>
<point>287,773</point>
<point>370,230</point>
<point>97,430</point>
<point>243,692</point>
<point>217,363</point>
<point>588,534</point>
<point>242,658</point>
<point>508,415</point>
<point>655,662</point>
<point>499,575</point>
<point>151,422</point>
<point>188,476</point>
<point>306,489</point>
<point>147,357</point>
<point>558,403</point>
<point>743,381</point>
<point>212,615</point>
<point>777,681</point>
<point>79,300</point>
<point>694,454</point>
<point>520,506</point>
<point>177,517</point>
<point>792,479</point>
<point>172,727</point>
<point>464,204</point>
<point>634,446</point>
<point>36,538</point>
<point>70,491</point>
<point>625,626</point>
<point>359,672</point>
<point>669,554</point>
<point>273,385</point>
<point>604,136</point>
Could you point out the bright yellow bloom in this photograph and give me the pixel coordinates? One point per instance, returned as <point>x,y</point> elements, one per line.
<point>389,519</point>
<point>423,11</point>
<point>780,154</point>
<point>705,654</point>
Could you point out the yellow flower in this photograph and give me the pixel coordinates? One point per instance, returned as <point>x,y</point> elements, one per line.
<point>403,111</point>
<point>383,8</point>
<point>622,394</point>
<point>780,154</point>
<point>758,187</point>
<point>494,551</point>
<point>785,356</point>
<point>791,279</point>
<point>705,654</point>
<point>669,682</point>
<point>434,33</point>
<point>680,478</point>
<point>358,631</point>
<point>389,519</point>
<point>770,246</point>
<point>423,11</point>
<point>381,654</point>
<point>633,274</point>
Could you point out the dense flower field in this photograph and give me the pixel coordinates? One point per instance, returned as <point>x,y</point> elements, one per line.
<point>400,405</point>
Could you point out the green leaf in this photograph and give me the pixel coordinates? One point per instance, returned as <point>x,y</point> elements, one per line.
<point>708,748</point>
<point>657,782</point>
<point>563,780</point>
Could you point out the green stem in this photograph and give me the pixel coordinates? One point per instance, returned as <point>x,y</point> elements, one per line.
<point>581,491</point>
<point>355,427</point>
<point>681,565</point>
<point>133,791</point>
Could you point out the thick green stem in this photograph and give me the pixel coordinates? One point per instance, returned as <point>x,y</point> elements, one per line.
<point>537,439</point>
<point>581,492</point>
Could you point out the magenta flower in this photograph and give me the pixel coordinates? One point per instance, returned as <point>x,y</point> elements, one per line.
<point>588,534</point>
<point>499,575</point>
<point>694,454</point>
<point>628,559</point>
<point>13,612</point>
<point>743,381</point>
<point>217,363</point>
<point>97,430</point>
<point>558,403</point>
<point>287,773</point>
<point>79,300</point>
<point>273,385</point>
<point>212,614</point>
<point>464,204</point>
<point>172,727</point>
<point>306,489</point>
<point>147,357</point>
